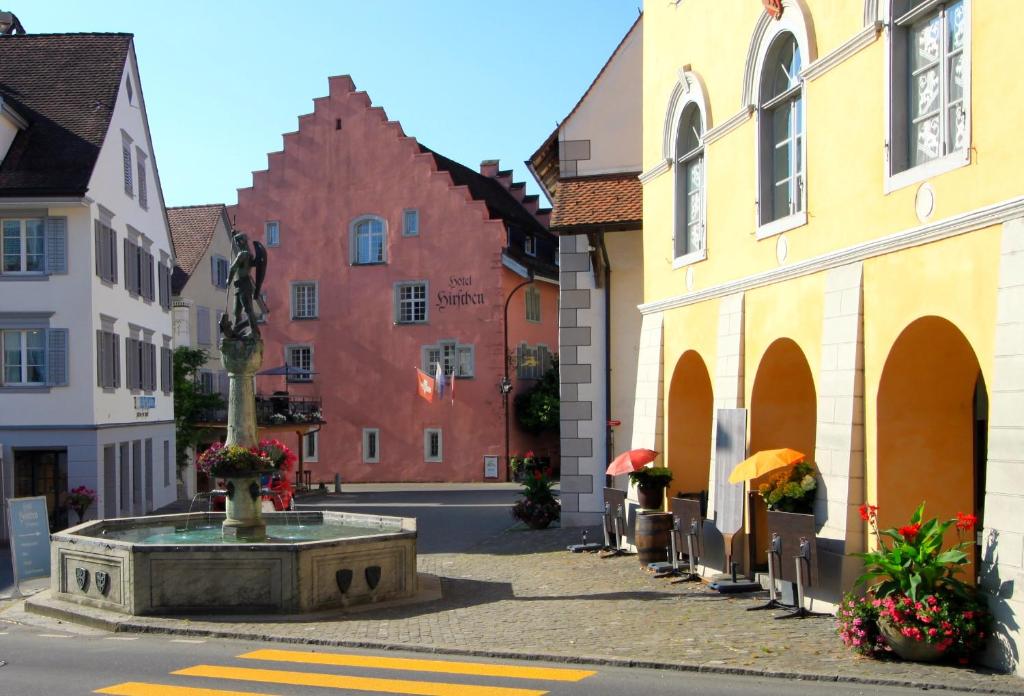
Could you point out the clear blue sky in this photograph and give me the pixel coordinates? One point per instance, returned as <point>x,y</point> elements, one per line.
<point>223,79</point>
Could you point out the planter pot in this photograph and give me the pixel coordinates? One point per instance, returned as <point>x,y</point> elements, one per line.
<point>243,508</point>
<point>908,648</point>
<point>538,522</point>
<point>651,497</point>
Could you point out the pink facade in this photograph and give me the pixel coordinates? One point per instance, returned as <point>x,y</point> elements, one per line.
<point>368,222</point>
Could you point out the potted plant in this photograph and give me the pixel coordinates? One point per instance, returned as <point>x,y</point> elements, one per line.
<point>79,499</point>
<point>538,507</point>
<point>915,606</point>
<point>651,482</point>
<point>523,465</point>
<point>791,490</point>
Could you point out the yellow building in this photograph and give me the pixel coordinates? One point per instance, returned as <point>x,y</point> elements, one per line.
<point>833,230</point>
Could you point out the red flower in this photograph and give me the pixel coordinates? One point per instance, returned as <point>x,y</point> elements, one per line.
<point>868,512</point>
<point>965,521</point>
<point>910,531</point>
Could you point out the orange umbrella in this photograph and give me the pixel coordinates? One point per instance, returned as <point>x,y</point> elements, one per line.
<point>763,462</point>
<point>629,461</point>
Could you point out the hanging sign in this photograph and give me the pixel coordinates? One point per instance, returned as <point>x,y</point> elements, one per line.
<point>29,525</point>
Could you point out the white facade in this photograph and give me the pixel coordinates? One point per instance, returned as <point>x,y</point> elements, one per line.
<point>71,416</point>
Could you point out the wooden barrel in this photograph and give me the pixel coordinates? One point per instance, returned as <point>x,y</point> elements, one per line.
<point>652,536</point>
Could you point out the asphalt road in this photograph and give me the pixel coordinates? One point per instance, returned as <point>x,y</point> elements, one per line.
<point>37,662</point>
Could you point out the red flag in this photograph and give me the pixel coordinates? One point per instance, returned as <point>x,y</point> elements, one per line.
<point>424,385</point>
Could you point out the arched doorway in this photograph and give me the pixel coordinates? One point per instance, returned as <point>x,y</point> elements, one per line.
<point>932,422</point>
<point>783,413</point>
<point>690,408</point>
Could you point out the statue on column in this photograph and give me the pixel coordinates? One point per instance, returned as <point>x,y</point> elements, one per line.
<point>242,321</point>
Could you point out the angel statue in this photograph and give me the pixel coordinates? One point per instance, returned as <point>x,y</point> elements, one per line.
<point>242,321</point>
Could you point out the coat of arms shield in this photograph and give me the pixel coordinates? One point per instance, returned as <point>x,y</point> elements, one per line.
<point>82,578</point>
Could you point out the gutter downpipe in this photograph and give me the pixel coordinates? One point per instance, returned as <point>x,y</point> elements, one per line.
<point>607,356</point>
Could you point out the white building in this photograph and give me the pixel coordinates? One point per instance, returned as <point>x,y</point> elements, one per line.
<point>85,294</point>
<point>202,244</point>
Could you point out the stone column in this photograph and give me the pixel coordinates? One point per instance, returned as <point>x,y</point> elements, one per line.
<point>839,449</point>
<point>728,387</point>
<point>1002,562</point>
<point>242,358</point>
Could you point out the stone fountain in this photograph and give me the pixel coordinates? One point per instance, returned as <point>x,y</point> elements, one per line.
<point>240,561</point>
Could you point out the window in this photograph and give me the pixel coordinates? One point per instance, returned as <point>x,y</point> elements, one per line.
<point>138,271</point>
<point>167,463</point>
<point>24,357</point>
<point>410,223</point>
<point>164,278</point>
<point>106,252</point>
<point>218,271</point>
<point>532,299</point>
<point>432,449</point>
<point>128,89</point>
<point>108,359</point>
<point>455,358</point>
<point>311,446</point>
<point>203,326</point>
<point>301,357</point>
<point>140,365</point>
<point>411,303</point>
<point>930,88</point>
<point>530,245</point>
<point>272,233</point>
<point>368,241</point>
<point>371,445</point>
<point>140,160</point>
<point>304,300</point>
<point>207,382</point>
<point>689,176</point>
<point>24,246</point>
<point>126,157</point>
<point>781,124</point>
<point>532,361</point>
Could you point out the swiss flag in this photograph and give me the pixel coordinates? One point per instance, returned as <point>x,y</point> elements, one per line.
<point>424,385</point>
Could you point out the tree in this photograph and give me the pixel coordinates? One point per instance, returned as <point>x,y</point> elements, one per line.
<point>190,401</point>
<point>537,408</point>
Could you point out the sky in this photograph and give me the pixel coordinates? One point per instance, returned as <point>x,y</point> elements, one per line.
<point>224,79</point>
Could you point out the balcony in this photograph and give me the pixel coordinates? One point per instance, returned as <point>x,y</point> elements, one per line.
<point>278,410</point>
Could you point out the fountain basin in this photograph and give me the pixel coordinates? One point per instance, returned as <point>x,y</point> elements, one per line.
<point>312,561</point>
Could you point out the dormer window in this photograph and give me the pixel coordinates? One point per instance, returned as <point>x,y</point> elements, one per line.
<point>530,245</point>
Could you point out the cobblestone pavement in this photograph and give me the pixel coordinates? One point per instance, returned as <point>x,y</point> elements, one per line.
<point>522,594</point>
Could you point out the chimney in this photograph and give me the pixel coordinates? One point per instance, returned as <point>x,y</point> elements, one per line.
<point>489,168</point>
<point>9,24</point>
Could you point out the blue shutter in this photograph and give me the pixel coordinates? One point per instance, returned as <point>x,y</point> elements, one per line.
<point>57,357</point>
<point>56,240</point>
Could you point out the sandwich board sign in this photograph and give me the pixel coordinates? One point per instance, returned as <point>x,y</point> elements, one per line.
<point>29,525</point>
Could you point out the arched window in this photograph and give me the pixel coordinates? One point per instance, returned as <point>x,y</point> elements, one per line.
<point>369,236</point>
<point>689,166</point>
<point>781,124</point>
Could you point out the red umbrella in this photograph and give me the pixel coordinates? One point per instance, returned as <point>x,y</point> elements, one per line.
<point>629,461</point>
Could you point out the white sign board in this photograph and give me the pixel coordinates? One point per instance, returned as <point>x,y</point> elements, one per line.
<point>491,466</point>
<point>29,525</point>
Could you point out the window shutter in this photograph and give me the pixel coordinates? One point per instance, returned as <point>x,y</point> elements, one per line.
<point>150,282</point>
<point>112,249</point>
<point>147,372</point>
<point>223,384</point>
<point>213,272</point>
<point>101,351</point>
<point>57,357</point>
<point>161,284</point>
<point>128,266</point>
<point>165,371</point>
<point>100,248</point>
<point>151,366</point>
<point>203,325</point>
<point>55,241</point>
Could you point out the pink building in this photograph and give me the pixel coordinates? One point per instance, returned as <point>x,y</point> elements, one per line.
<point>384,257</point>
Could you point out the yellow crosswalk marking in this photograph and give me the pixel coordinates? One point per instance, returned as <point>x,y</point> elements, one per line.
<point>337,681</point>
<point>143,689</point>
<point>411,665</point>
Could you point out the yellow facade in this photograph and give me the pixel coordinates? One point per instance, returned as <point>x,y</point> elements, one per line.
<point>885,379</point>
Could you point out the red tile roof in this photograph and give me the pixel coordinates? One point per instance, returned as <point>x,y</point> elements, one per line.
<point>607,200</point>
<point>192,229</point>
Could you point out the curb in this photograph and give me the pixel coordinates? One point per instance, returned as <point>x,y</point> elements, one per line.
<point>129,626</point>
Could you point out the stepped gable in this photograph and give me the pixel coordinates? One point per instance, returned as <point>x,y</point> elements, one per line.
<point>192,228</point>
<point>65,86</point>
<point>608,200</point>
<point>501,204</point>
